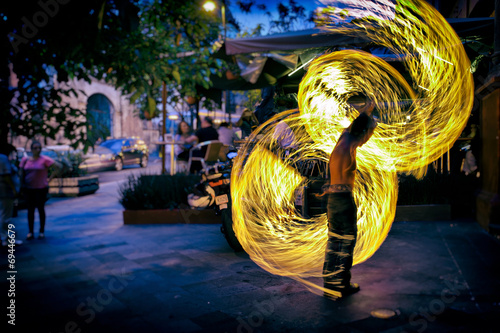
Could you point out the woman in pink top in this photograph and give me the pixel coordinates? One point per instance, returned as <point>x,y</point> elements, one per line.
<point>34,175</point>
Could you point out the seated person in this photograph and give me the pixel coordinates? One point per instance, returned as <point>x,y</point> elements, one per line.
<point>183,132</point>
<point>227,134</point>
<point>206,133</point>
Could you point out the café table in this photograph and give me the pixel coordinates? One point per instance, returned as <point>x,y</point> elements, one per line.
<point>172,152</point>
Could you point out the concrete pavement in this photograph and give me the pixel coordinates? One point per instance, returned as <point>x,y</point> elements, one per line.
<point>94,274</point>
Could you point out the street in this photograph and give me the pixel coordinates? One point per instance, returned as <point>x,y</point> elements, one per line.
<point>92,273</point>
<point>108,176</point>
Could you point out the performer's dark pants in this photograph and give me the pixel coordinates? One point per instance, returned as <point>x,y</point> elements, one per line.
<point>342,230</point>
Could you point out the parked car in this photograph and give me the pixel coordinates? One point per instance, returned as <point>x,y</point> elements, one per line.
<point>115,153</point>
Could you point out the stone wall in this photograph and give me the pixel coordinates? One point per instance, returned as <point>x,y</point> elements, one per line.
<point>124,120</point>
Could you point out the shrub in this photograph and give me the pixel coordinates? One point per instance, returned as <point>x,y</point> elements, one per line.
<point>70,162</point>
<point>157,191</point>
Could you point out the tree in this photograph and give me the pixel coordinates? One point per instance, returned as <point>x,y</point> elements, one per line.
<point>173,45</point>
<point>134,45</point>
<point>253,97</point>
<point>291,16</point>
<point>53,42</point>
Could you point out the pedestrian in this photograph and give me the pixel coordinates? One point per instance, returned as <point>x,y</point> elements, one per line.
<point>341,208</point>
<point>182,149</point>
<point>35,185</point>
<point>247,122</point>
<point>8,191</point>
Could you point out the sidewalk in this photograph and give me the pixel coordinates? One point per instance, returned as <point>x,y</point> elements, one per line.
<point>94,274</point>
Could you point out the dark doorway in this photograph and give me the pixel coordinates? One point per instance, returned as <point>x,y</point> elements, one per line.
<point>99,109</point>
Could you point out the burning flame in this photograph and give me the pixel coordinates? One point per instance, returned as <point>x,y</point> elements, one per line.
<point>419,119</point>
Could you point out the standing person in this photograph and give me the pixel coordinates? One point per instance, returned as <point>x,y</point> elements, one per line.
<point>183,132</point>
<point>35,181</point>
<point>341,209</point>
<point>8,190</point>
<point>247,122</point>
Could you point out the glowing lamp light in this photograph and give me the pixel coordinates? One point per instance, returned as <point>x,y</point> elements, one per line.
<point>209,6</point>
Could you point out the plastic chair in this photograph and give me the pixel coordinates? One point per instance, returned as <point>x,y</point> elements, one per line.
<point>222,153</point>
<point>211,154</point>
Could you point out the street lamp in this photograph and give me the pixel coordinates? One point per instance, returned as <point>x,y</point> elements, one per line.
<point>210,6</point>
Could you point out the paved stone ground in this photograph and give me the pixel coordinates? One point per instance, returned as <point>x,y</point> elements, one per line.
<point>94,274</point>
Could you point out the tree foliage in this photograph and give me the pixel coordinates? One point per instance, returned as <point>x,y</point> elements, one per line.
<point>47,43</point>
<point>134,45</point>
<point>172,45</point>
<point>291,16</point>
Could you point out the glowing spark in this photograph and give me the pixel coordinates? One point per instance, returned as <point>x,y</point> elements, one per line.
<point>416,126</point>
<point>444,60</point>
<point>299,68</point>
<point>380,9</point>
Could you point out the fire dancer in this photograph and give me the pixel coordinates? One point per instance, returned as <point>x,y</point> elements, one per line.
<point>341,209</point>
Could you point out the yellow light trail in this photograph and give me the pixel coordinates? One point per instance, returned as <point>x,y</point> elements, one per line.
<point>416,126</point>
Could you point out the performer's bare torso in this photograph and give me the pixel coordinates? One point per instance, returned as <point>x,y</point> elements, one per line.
<point>343,161</point>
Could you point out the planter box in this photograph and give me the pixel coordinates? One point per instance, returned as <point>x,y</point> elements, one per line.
<point>73,187</point>
<point>174,216</point>
<point>423,213</point>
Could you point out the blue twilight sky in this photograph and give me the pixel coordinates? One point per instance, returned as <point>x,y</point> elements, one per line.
<point>249,21</point>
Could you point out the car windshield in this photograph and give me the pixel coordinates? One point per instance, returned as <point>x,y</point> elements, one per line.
<point>114,145</point>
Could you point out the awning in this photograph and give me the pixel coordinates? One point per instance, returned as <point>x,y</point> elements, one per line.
<point>316,38</point>
<point>259,58</point>
<point>288,41</point>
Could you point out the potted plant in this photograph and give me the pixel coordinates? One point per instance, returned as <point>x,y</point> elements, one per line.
<point>162,199</point>
<point>71,179</point>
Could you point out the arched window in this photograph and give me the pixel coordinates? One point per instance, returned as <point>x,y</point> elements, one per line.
<point>99,125</point>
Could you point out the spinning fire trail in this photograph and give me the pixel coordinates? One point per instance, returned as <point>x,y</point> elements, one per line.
<point>418,122</point>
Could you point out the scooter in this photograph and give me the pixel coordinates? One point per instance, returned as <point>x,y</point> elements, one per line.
<point>224,206</point>
<point>214,190</point>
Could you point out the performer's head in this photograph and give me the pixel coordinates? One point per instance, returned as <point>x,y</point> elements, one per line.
<point>361,125</point>
<point>362,128</point>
